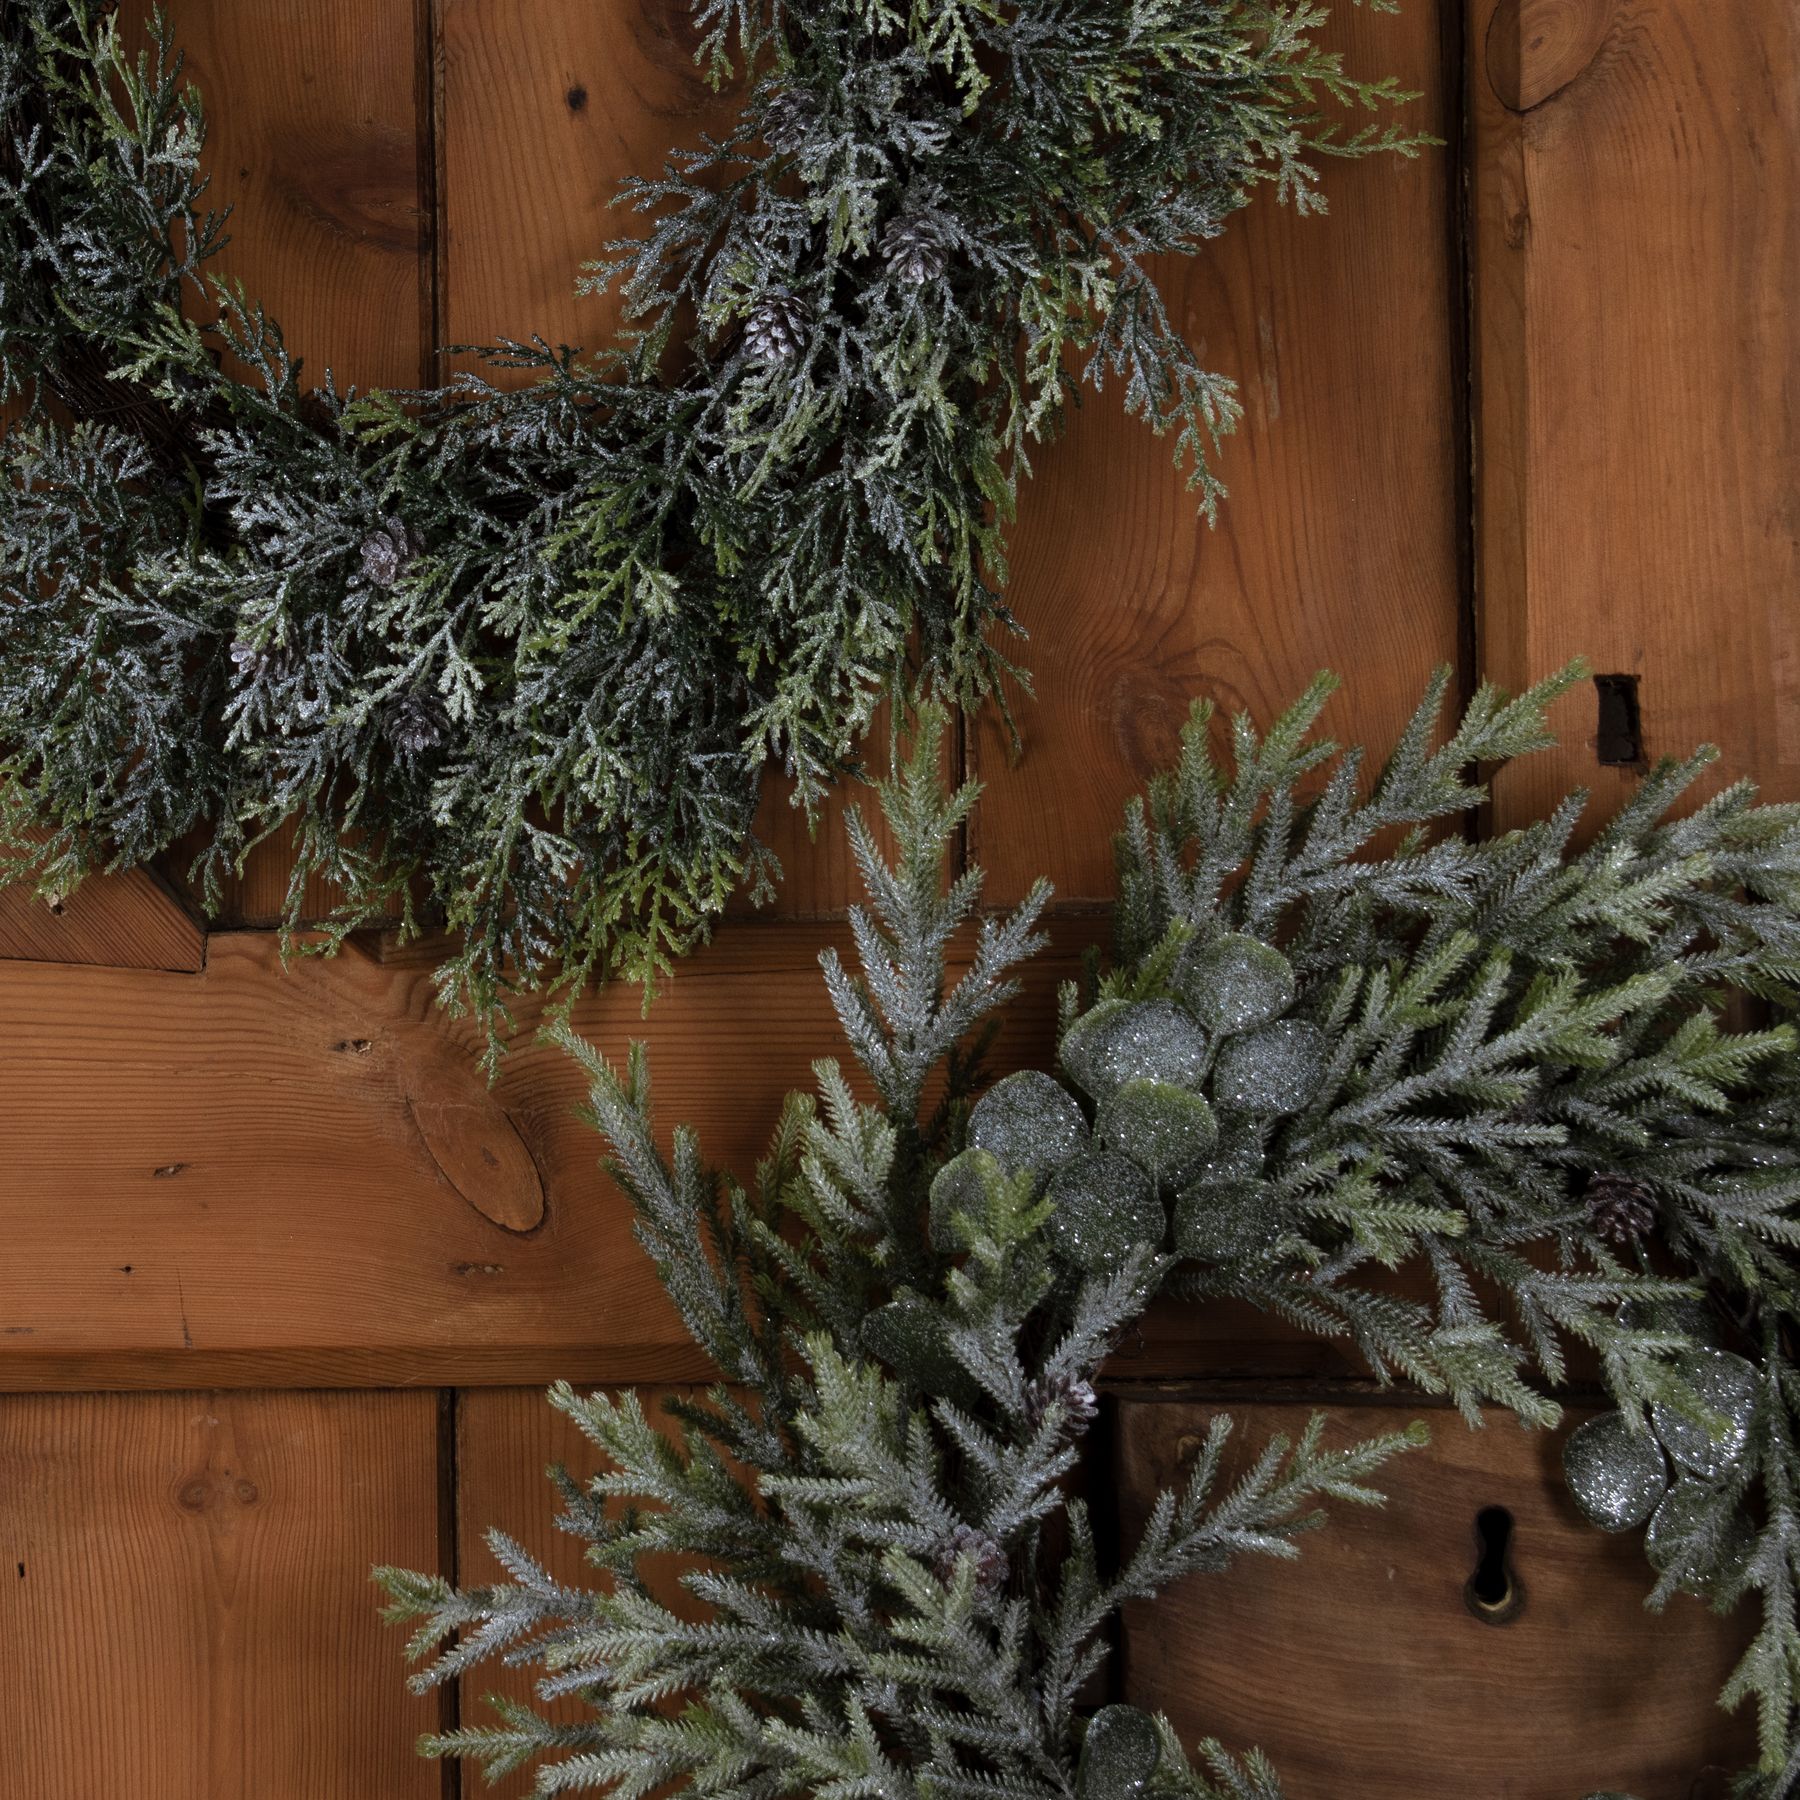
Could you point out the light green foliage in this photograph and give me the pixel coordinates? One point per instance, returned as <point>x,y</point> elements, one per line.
<point>897,1585</point>
<point>524,653</point>
<point>1525,1086</point>
<point>1518,1078</point>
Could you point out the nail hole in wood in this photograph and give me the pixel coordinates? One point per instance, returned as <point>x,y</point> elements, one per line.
<point>1619,732</point>
<point>1493,1593</point>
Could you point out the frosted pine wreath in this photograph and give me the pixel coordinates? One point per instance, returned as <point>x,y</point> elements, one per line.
<point>524,653</point>
<point>1504,1063</point>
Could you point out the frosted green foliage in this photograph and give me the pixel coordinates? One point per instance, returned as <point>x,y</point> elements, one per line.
<point>1728,1388</point>
<point>1698,1538</point>
<point>525,648</point>
<point>1119,1754</point>
<point>1029,1124</point>
<point>1616,1475</point>
<point>1274,1069</point>
<point>1105,1213</point>
<point>1166,1130</point>
<point>1125,1040</point>
<point>1236,982</point>
<point>889,1580</point>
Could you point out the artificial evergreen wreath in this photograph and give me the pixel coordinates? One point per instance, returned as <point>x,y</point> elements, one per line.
<point>524,653</point>
<point>1505,1063</point>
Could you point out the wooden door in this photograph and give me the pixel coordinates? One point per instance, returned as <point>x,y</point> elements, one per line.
<point>283,1273</point>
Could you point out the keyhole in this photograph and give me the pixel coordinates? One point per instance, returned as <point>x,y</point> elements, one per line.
<point>1493,1592</point>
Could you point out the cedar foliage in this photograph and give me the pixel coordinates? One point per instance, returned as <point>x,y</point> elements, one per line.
<point>1508,1063</point>
<point>525,653</point>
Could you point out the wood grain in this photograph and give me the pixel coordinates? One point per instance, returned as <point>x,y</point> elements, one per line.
<point>300,1175</point>
<point>547,105</point>
<point>1361,1669</point>
<point>128,921</point>
<point>1637,358</point>
<point>186,1608</point>
<point>1337,548</point>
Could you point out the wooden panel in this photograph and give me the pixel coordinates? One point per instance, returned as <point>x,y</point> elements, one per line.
<point>186,1603</point>
<point>301,1176</point>
<point>1364,1674</point>
<point>130,921</point>
<point>318,149</point>
<point>1337,547</point>
<point>547,105</point>
<point>1637,353</point>
<point>506,1438</point>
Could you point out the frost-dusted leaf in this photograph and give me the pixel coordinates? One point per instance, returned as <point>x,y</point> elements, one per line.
<point>1029,1123</point>
<point>1135,1040</point>
<point>1105,1211</point>
<point>1235,982</point>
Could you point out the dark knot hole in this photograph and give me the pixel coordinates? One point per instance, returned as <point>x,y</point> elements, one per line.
<point>1493,1592</point>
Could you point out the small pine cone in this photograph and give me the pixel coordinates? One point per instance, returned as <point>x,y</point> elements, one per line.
<point>416,723</point>
<point>386,551</point>
<point>983,1551</point>
<point>251,661</point>
<point>1080,1404</point>
<point>914,247</point>
<point>1620,1208</point>
<point>788,120</point>
<point>777,326</point>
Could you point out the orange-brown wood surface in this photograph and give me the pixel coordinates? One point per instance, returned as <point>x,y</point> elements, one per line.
<point>187,1611</point>
<point>1636,365</point>
<point>1362,1668</point>
<point>1526,397</point>
<point>1338,548</point>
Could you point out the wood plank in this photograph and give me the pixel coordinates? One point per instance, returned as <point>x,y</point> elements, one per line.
<point>506,1438</point>
<point>1361,1669</point>
<point>318,150</point>
<point>129,921</point>
<point>583,98</point>
<point>1337,548</point>
<point>251,1155</point>
<point>186,1601</point>
<point>1635,253</point>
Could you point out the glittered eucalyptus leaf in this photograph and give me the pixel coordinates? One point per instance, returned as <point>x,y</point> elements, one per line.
<point>909,1334</point>
<point>1615,1475</point>
<point>1729,1388</point>
<point>1167,1131</point>
<point>1135,1040</point>
<point>1029,1123</point>
<point>1235,982</point>
<point>1106,1209</point>
<point>1228,1223</point>
<point>1274,1069</point>
<point>961,1186</point>
<point>1698,1537</point>
<point>1119,1754</point>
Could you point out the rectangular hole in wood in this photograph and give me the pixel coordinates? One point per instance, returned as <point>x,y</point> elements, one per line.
<point>1619,733</point>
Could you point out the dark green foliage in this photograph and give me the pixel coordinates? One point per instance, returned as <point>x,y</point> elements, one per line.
<point>526,653</point>
<point>899,1592</point>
